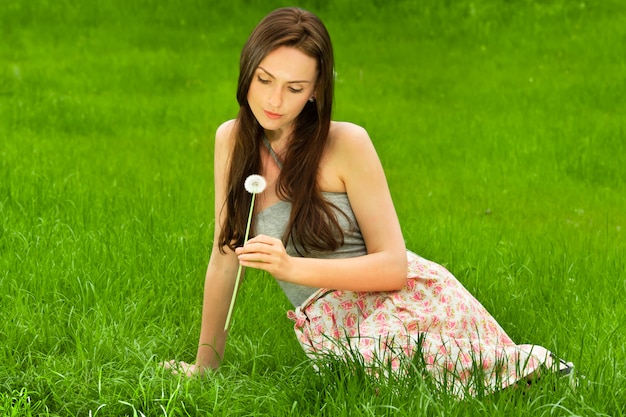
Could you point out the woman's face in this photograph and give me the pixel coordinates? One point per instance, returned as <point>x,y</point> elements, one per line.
<point>280,88</point>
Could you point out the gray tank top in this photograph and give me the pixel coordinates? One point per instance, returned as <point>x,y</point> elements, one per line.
<point>272,221</point>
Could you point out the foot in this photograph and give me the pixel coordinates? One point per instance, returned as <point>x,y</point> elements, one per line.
<point>565,368</point>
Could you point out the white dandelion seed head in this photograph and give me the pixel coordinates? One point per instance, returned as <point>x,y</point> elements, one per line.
<point>255,184</point>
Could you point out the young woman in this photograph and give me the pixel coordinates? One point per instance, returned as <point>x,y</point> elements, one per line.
<point>325,227</point>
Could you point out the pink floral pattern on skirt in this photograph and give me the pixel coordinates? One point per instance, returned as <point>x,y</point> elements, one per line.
<point>433,314</point>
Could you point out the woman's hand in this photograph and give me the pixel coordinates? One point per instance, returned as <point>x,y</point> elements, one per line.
<point>266,253</point>
<point>183,368</point>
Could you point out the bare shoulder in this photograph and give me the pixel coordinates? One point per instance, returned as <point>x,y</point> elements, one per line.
<point>224,140</point>
<point>348,134</point>
<point>224,131</point>
<point>348,141</point>
<point>349,148</point>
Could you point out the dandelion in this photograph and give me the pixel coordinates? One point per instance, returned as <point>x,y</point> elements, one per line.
<point>254,184</point>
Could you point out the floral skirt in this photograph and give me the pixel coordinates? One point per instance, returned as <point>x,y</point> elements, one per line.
<point>433,315</point>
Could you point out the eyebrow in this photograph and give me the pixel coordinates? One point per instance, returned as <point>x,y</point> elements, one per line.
<point>288,82</point>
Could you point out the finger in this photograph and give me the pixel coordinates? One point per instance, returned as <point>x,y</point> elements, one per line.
<point>254,248</point>
<point>269,240</point>
<point>168,364</point>
<point>264,266</point>
<point>254,256</point>
<point>179,367</point>
<point>248,245</point>
<point>171,366</point>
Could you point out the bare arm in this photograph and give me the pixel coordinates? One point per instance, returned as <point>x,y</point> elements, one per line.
<point>220,275</point>
<point>354,160</point>
<point>222,268</point>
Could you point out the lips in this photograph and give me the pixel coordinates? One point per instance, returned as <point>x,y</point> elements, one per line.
<point>271,115</point>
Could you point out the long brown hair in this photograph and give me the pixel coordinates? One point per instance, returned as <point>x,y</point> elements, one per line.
<point>312,224</point>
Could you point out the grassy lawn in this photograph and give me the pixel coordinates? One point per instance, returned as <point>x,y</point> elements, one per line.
<point>501,127</point>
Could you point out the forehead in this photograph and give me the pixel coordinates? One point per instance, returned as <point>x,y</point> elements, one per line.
<point>290,64</point>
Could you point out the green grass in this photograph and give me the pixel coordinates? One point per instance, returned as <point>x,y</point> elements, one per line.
<point>500,125</point>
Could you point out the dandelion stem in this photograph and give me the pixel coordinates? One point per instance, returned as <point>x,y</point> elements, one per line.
<point>234,296</point>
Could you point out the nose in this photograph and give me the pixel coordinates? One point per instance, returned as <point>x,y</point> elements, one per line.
<point>276,99</point>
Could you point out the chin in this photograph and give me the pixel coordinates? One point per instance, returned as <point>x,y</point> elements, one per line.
<point>273,125</point>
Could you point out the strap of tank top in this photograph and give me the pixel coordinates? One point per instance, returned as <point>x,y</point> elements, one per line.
<point>272,153</point>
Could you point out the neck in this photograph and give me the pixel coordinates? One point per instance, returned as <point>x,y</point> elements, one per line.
<point>278,139</point>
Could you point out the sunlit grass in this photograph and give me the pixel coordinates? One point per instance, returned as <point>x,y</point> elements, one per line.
<point>500,128</point>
